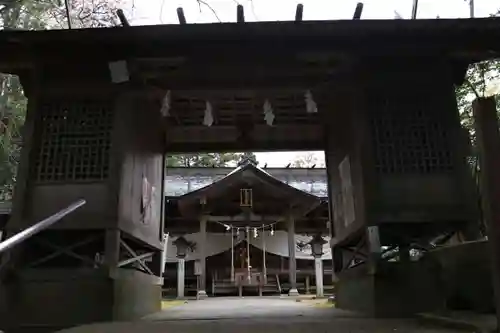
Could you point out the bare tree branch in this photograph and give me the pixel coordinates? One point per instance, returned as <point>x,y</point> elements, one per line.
<point>204,3</point>
<point>471,86</point>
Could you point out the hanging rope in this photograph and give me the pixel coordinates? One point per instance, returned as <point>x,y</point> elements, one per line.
<point>228,227</point>
<point>264,266</point>
<point>232,255</point>
<point>248,254</point>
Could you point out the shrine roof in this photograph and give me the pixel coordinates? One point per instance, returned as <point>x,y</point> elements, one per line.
<point>473,39</point>
<point>182,180</point>
<point>249,175</point>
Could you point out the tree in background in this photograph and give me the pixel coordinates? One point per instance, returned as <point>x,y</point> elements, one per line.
<point>85,13</point>
<point>248,156</point>
<point>33,15</point>
<point>482,80</point>
<point>216,160</point>
<point>306,160</point>
<point>202,160</point>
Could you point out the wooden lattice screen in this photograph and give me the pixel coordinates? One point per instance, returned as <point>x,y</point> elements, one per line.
<point>75,139</point>
<point>410,135</point>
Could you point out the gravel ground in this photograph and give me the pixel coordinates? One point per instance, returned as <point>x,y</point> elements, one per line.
<point>257,315</point>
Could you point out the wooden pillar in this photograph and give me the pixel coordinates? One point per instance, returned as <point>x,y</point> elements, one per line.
<point>374,248</point>
<point>308,285</point>
<point>264,264</point>
<point>232,254</point>
<point>180,277</point>
<point>318,272</point>
<point>164,254</point>
<point>292,265</point>
<point>112,251</point>
<point>330,165</point>
<point>203,263</point>
<point>488,141</point>
<point>404,253</point>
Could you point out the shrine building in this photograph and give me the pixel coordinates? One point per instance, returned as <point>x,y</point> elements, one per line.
<point>258,233</point>
<point>99,126</point>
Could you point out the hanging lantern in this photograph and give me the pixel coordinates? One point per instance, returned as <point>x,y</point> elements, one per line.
<point>317,245</point>
<point>272,230</point>
<point>255,233</point>
<point>182,246</point>
<point>246,199</point>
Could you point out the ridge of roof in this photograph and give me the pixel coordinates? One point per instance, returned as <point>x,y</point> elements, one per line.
<point>252,167</point>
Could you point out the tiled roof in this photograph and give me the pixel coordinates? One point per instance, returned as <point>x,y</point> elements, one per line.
<point>5,207</point>
<point>179,181</point>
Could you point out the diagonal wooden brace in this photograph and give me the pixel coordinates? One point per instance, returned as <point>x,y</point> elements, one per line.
<point>134,255</point>
<point>134,259</point>
<point>357,250</point>
<point>65,250</point>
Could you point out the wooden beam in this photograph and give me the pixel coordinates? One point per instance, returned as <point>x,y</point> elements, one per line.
<point>123,19</point>
<point>414,10</point>
<point>225,138</point>
<point>298,12</point>
<point>241,82</point>
<point>265,39</point>
<point>203,147</point>
<point>358,11</point>
<point>488,141</point>
<point>240,14</point>
<point>180,15</point>
<point>244,75</point>
<point>242,218</point>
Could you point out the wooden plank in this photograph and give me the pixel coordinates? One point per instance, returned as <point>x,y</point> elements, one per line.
<point>488,140</point>
<point>393,36</point>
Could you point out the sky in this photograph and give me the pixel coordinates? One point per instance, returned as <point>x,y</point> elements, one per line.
<point>151,12</point>
<point>145,12</point>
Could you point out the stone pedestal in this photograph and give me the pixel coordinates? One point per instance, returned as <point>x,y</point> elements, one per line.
<point>180,277</point>
<point>201,294</point>
<point>202,264</point>
<point>318,271</point>
<point>395,290</point>
<point>292,265</point>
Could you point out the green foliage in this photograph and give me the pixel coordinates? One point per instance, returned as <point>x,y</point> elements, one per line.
<point>248,156</point>
<point>202,160</point>
<point>482,80</point>
<point>12,112</point>
<point>36,15</point>
<point>305,160</point>
<point>216,160</point>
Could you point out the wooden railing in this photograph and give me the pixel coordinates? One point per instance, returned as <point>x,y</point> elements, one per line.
<point>40,226</point>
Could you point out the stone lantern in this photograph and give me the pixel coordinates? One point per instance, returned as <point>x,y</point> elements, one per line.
<point>182,246</point>
<point>317,251</point>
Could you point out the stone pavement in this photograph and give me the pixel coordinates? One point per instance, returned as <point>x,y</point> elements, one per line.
<point>257,315</point>
<point>468,321</point>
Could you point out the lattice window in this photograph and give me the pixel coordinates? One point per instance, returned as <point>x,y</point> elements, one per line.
<point>75,141</point>
<point>410,135</point>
